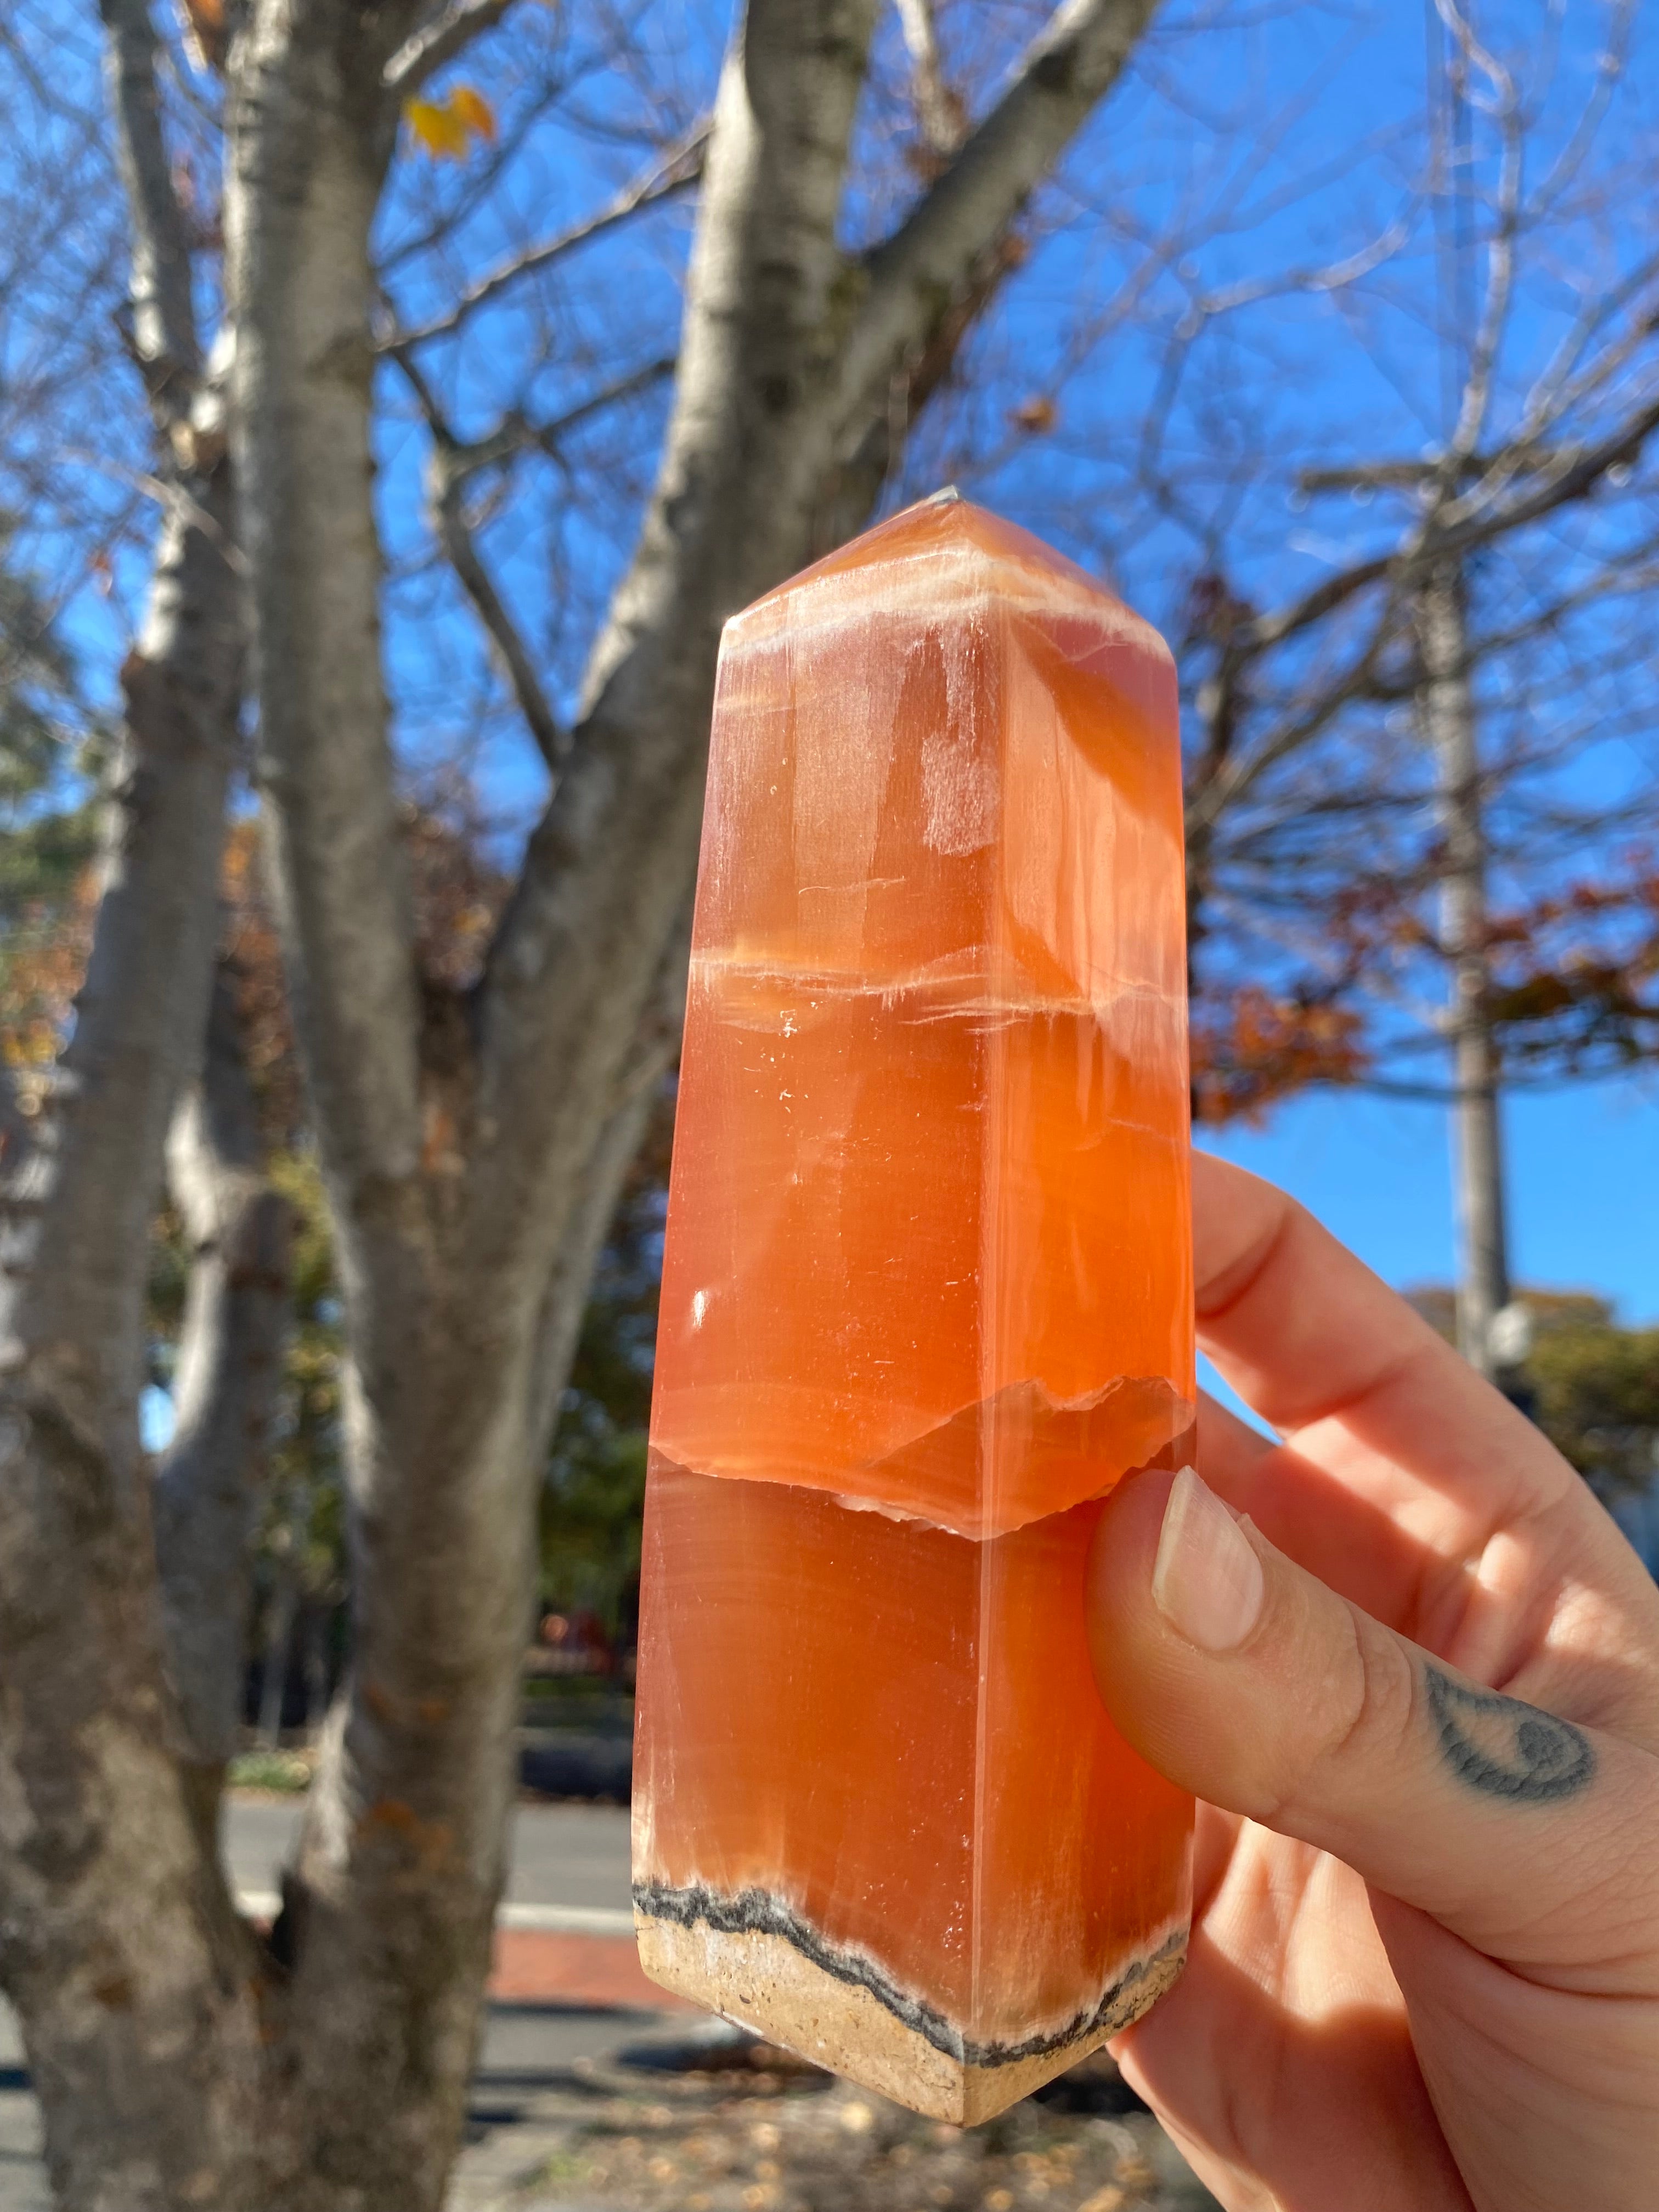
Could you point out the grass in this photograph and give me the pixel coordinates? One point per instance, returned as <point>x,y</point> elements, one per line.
<point>287,1772</point>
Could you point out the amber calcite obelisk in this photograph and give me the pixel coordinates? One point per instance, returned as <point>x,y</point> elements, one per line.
<point>926,1296</point>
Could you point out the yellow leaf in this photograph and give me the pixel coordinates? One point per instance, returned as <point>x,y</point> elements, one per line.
<point>474,112</point>
<point>437,128</point>
<point>448,127</point>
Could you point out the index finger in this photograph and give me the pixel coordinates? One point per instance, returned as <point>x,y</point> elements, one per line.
<point>1307,1335</point>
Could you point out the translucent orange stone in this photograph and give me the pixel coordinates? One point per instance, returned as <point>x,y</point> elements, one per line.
<point>926,1296</point>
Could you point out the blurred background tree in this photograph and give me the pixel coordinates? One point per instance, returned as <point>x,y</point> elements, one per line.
<point>1592,1385</point>
<point>1597,1394</point>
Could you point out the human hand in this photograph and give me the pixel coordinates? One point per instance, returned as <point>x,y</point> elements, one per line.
<point>1419,1705</point>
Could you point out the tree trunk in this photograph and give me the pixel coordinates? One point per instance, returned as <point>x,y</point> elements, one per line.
<point>1483,1288</point>
<point>389,1912</point>
<point>462,1138</point>
<point>137,1987</point>
<point>172,2064</point>
<point>565,1301</point>
<point>225,1395</point>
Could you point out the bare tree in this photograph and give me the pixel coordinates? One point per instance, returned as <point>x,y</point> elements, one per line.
<point>471,1135</point>
<point>119,1948</point>
<point>1400,849</point>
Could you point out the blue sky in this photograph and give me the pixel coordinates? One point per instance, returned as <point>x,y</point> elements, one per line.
<point>1584,1185</point>
<point>1280,138</point>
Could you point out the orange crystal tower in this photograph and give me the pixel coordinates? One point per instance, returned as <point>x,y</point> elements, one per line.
<point>926,1295</point>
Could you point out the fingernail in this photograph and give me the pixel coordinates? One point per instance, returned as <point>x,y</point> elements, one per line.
<point>1206,1580</point>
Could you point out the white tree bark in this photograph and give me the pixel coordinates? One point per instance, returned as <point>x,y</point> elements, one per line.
<point>389,1922</point>
<point>470,1142</point>
<point>133,1981</point>
<point>1448,713</point>
<point>464,1141</point>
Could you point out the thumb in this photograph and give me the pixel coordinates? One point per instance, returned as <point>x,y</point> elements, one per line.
<point>1245,1680</point>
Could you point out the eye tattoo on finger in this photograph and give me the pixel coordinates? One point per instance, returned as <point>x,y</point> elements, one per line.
<point>1505,1747</point>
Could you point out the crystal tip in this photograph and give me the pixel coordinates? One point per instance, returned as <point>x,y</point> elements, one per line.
<point>946,495</point>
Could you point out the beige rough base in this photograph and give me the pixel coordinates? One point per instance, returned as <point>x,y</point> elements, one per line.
<point>763,1983</point>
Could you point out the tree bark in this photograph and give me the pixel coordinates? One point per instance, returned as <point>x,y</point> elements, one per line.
<point>389,1911</point>
<point>788,357</point>
<point>136,1985</point>
<point>225,1395</point>
<point>615,1150</point>
<point>1448,715</point>
<point>466,1140</point>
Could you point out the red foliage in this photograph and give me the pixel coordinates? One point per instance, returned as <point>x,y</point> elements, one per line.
<point>1251,1049</point>
<point>1574,992</point>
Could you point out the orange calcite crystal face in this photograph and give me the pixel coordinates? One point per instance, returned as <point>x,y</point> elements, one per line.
<point>927,1294</point>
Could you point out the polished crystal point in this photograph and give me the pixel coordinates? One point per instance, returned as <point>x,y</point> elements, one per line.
<point>926,1295</point>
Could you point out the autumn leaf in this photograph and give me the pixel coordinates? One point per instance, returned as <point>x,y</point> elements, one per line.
<point>447,128</point>
<point>43,957</point>
<point>476,114</point>
<point>1251,1048</point>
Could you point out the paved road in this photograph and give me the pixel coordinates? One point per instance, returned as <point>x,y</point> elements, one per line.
<point>573,1857</point>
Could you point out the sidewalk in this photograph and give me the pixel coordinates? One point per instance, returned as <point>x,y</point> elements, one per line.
<point>617,2132</point>
<point>597,2091</point>
<point>584,2102</point>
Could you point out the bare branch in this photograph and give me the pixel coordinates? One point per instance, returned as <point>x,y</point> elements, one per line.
<point>1557,478</point>
<point>452,464</point>
<point>449,30</point>
<point>939,109</point>
<point>656,1044</point>
<point>682,167</point>
<point>1486,342</point>
<point>552,742</point>
<point>514,434</point>
<point>144,995</point>
<point>1561,477</point>
<point>449,466</point>
<point>1066,71</point>
<point>144,1000</point>
<point>298,211</point>
<point>164,315</point>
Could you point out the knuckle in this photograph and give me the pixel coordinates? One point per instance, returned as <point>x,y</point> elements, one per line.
<point>1372,1715</point>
